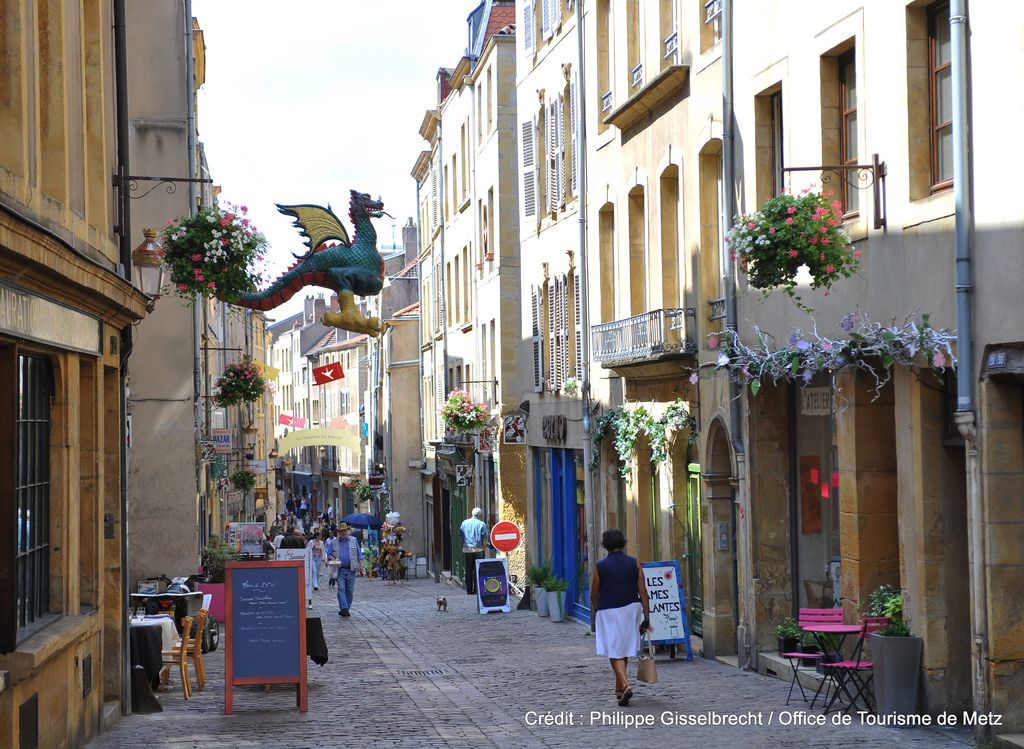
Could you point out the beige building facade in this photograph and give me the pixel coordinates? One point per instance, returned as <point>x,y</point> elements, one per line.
<point>469,286</point>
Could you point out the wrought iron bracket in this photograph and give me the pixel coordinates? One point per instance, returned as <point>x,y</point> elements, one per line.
<point>169,183</point>
<point>864,176</point>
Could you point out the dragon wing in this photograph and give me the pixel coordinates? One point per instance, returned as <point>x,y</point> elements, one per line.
<point>317,224</point>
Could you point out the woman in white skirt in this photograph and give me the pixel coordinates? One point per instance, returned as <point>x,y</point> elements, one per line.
<point>619,608</point>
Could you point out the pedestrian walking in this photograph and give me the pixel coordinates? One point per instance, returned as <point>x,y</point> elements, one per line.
<point>348,555</point>
<point>330,547</point>
<point>316,545</point>
<point>472,531</point>
<point>620,609</point>
<point>293,540</point>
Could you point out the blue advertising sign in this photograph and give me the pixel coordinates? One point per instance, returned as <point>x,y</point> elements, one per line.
<point>492,585</point>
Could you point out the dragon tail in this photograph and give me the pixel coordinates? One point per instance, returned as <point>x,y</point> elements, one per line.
<point>281,290</point>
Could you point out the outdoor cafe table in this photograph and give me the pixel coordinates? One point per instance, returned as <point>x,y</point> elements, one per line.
<point>825,642</point>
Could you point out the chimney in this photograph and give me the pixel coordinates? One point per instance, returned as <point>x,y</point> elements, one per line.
<point>319,305</point>
<point>409,241</point>
<point>309,310</point>
<point>335,304</point>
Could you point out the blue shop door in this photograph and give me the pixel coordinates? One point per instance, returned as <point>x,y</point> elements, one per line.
<point>569,526</point>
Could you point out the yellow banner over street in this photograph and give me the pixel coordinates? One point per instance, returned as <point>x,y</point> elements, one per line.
<point>268,372</point>
<point>314,437</point>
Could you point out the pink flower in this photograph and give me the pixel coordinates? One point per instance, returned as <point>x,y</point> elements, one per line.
<point>824,230</point>
<point>939,360</point>
<point>694,378</point>
<point>771,230</point>
<point>245,209</point>
<point>824,240</point>
<point>789,220</point>
<point>830,269</point>
<point>224,221</point>
<point>858,253</point>
<point>211,285</point>
<point>182,287</point>
<point>836,205</point>
<point>793,253</point>
<point>813,240</point>
<point>822,257</point>
<point>751,225</point>
<point>197,257</point>
<point>791,210</point>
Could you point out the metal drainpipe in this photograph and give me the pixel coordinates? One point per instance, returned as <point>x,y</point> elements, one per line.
<point>584,353</point>
<point>729,210</point>
<point>124,241</point>
<point>965,416</point>
<point>419,358</point>
<point>197,371</point>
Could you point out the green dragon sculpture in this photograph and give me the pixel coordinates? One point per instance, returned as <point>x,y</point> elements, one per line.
<point>349,268</point>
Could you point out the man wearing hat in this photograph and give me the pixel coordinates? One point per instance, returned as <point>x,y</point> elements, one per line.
<point>348,555</point>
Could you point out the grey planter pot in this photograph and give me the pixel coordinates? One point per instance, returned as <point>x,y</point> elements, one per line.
<point>542,601</point>
<point>897,673</point>
<point>556,605</point>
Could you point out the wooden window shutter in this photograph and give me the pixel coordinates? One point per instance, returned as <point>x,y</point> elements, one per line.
<point>528,25</point>
<point>578,325</point>
<point>563,329</point>
<point>560,155</point>
<point>538,343</point>
<point>573,129</point>
<point>552,329</point>
<point>552,156</point>
<point>433,195</point>
<point>546,18</point>
<point>529,170</point>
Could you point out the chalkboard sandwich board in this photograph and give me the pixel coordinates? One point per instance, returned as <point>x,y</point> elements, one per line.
<point>265,627</point>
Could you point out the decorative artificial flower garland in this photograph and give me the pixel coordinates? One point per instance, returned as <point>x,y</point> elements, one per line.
<point>626,425</point>
<point>870,344</point>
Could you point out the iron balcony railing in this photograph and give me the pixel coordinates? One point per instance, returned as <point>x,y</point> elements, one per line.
<point>712,10</point>
<point>606,101</point>
<point>641,337</point>
<point>637,74</point>
<point>716,309</point>
<point>671,45</point>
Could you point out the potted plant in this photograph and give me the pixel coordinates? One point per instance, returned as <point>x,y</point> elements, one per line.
<point>788,633</point>
<point>463,414</point>
<point>772,244</point>
<point>896,655</point>
<point>212,253</point>
<point>240,382</point>
<point>363,492</point>
<point>215,555</point>
<point>244,481</point>
<point>541,574</point>
<point>556,588</point>
<point>571,386</point>
<point>536,574</point>
<point>809,645</point>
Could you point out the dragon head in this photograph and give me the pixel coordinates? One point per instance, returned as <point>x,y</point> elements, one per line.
<point>361,202</point>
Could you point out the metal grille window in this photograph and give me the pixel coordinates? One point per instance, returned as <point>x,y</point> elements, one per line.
<point>32,489</point>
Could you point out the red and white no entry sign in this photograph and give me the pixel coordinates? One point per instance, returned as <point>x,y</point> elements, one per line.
<point>505,536</point>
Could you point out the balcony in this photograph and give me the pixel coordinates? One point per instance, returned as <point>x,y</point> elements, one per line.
<point>650,96</point>
<point>671,43</point>
<point>606,101</point>
<point>639,342</point>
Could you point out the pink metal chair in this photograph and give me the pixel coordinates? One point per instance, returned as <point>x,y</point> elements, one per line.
<point>855,671</point>
<point>809,616</point>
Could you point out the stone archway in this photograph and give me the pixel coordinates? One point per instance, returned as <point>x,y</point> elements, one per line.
<point>720,546</point>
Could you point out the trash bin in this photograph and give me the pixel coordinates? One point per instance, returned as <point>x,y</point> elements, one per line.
<point>421,567</point>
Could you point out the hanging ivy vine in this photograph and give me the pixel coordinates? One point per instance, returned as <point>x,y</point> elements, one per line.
<point>626,425</point>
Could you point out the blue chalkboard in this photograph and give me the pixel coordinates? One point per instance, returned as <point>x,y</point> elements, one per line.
<point>265,608</point>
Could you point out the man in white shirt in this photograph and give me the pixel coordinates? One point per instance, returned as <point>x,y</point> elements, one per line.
<point>472,531</point>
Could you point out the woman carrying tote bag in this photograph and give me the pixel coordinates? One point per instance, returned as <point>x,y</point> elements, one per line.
<point>619,609</point>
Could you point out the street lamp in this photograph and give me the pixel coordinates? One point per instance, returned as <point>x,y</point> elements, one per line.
<point>149,271</point>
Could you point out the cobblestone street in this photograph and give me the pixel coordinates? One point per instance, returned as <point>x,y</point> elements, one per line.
<point>402,674</point>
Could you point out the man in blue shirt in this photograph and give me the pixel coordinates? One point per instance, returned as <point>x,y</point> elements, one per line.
<point>472,531</point>
<point>348,554</point>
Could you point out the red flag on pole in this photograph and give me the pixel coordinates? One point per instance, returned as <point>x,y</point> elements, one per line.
<point>327,373</point>
<point>298,422</point>
<point>284,420</point>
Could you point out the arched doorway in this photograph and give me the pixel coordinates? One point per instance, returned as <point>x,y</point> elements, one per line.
<point>719,547</point>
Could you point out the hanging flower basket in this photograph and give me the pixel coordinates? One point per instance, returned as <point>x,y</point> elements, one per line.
<point>244,481</point>
<point>788,232</point>
<point>212,253</point>
<point>463,414</point>
<point>241,382</point>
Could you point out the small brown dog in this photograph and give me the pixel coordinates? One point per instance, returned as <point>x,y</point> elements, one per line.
<point>442,604</point>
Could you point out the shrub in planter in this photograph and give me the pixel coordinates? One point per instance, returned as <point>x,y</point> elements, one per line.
<point>215,555</point>
<point>213,253</point>
<point>788,633</point>
<point>896,654</point>
<point>537,574</point>
<point>556,589</point>
<point>788,232</point>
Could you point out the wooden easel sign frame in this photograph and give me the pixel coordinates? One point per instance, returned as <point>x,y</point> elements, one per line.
<point>265,627</point>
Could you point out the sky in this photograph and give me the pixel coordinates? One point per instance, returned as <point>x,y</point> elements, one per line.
<point>306,100</point>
